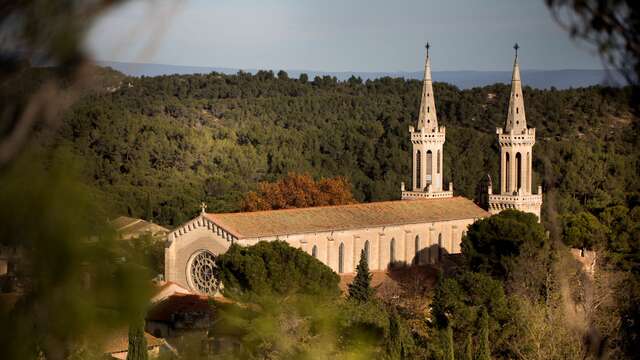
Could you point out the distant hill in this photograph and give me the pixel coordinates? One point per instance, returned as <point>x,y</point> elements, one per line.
<point>541,79</point>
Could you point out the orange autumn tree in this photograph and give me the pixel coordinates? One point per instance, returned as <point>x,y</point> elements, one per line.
<point>298,191</point>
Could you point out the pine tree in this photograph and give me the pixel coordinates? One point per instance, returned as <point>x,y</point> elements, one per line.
<point>450,354</point>
<point>360,288</point>
<point>137,342</point>
<point>484,349</point>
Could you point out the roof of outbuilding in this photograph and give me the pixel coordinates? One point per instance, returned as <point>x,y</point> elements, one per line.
<point>119,341</point>
<point>129,227</point>
<point>345,217</point>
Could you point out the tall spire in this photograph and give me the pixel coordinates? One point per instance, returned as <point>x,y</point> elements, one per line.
<point>516,119</point>
<point>427,119</point>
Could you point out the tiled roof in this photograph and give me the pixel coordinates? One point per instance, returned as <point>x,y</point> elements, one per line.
<point>119,341</point>
<point>183,303</point>
<point>344,217</point>
<point>130,227</point>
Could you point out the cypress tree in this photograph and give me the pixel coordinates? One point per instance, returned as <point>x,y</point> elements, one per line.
<point>137,349</point>
<point>360,288</point>
<point>450,354</point>
<point>484,349</point>
<point>468,351</point>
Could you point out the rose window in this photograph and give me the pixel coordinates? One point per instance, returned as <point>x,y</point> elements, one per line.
<point>202,273</point>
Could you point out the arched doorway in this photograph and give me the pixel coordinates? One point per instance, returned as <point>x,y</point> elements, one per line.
<point>314,251</point>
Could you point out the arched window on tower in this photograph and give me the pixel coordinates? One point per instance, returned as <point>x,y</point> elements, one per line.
<point>341,258</point>
<point>429,166</point>
<point>527,175</point>
<point>416,259</point>
<point>392,251</point>
<point>314,251</point>
<point>438,162</point>
<point>507,175</point>
<point>518,171</point>
<point>418,183</point>
<point>366,250</point>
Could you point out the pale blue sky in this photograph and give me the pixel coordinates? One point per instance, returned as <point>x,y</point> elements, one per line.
<point>338,35</point>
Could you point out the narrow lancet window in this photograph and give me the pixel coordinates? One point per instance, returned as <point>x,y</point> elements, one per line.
<point>429,166</point>
<point>418,170</point>
<point>392,251</point>
<point>366,250</point>
<point>518,171</point>
<point>341,258</point>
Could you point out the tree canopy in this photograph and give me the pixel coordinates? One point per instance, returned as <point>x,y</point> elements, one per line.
<point>274,268</point>
<point>493,244</point>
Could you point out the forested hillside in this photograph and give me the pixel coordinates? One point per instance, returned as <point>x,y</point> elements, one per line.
<point>157,147</point>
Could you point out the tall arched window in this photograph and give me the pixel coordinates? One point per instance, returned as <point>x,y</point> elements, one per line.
<point>418,170</point>
<point>314,251</point>
<point>507,175</point>
<point>527,175</point>
<point>439,246</point>
<point>416,259</point>
<point>366,250</point>
<point>341,258</point>
<point>518,171</point>
<point>392,251</point>
<point>438,162</point>
<point>429,166</point>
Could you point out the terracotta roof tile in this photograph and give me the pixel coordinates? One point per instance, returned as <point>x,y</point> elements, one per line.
<point>344,217</point>
<point>119,341</point>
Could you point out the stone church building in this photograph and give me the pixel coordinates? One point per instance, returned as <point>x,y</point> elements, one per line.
<point>426,223</point>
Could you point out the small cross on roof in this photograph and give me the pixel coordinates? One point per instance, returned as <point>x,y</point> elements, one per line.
<point>203,207</point>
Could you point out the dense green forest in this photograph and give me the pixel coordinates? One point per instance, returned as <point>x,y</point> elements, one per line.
<point>157,147</point>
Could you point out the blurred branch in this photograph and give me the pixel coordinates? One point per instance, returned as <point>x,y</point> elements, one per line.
<point>48,32</point>
<point>612,25</point>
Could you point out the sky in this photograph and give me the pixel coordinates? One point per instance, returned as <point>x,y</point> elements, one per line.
<point>338,35</point>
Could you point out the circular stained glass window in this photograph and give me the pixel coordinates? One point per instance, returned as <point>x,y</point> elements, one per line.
<point>202,273</point>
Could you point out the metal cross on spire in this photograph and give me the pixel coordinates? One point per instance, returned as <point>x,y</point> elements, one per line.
<point>516,47</point>
<point>427,46</point>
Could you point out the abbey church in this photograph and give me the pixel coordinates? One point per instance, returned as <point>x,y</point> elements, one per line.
<point>426,223</point>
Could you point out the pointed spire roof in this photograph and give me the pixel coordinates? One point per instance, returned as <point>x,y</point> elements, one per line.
<point>427,119</point>
<point>516,119</point>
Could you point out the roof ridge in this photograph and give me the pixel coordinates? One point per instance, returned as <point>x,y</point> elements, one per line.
<point>335,206</point>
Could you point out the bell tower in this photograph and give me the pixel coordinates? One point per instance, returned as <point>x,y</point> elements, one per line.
<point>427,141</point>
<point>516,152</point>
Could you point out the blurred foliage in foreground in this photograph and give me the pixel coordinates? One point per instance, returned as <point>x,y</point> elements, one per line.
<point>75,289</point>
<point>296,310</point>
